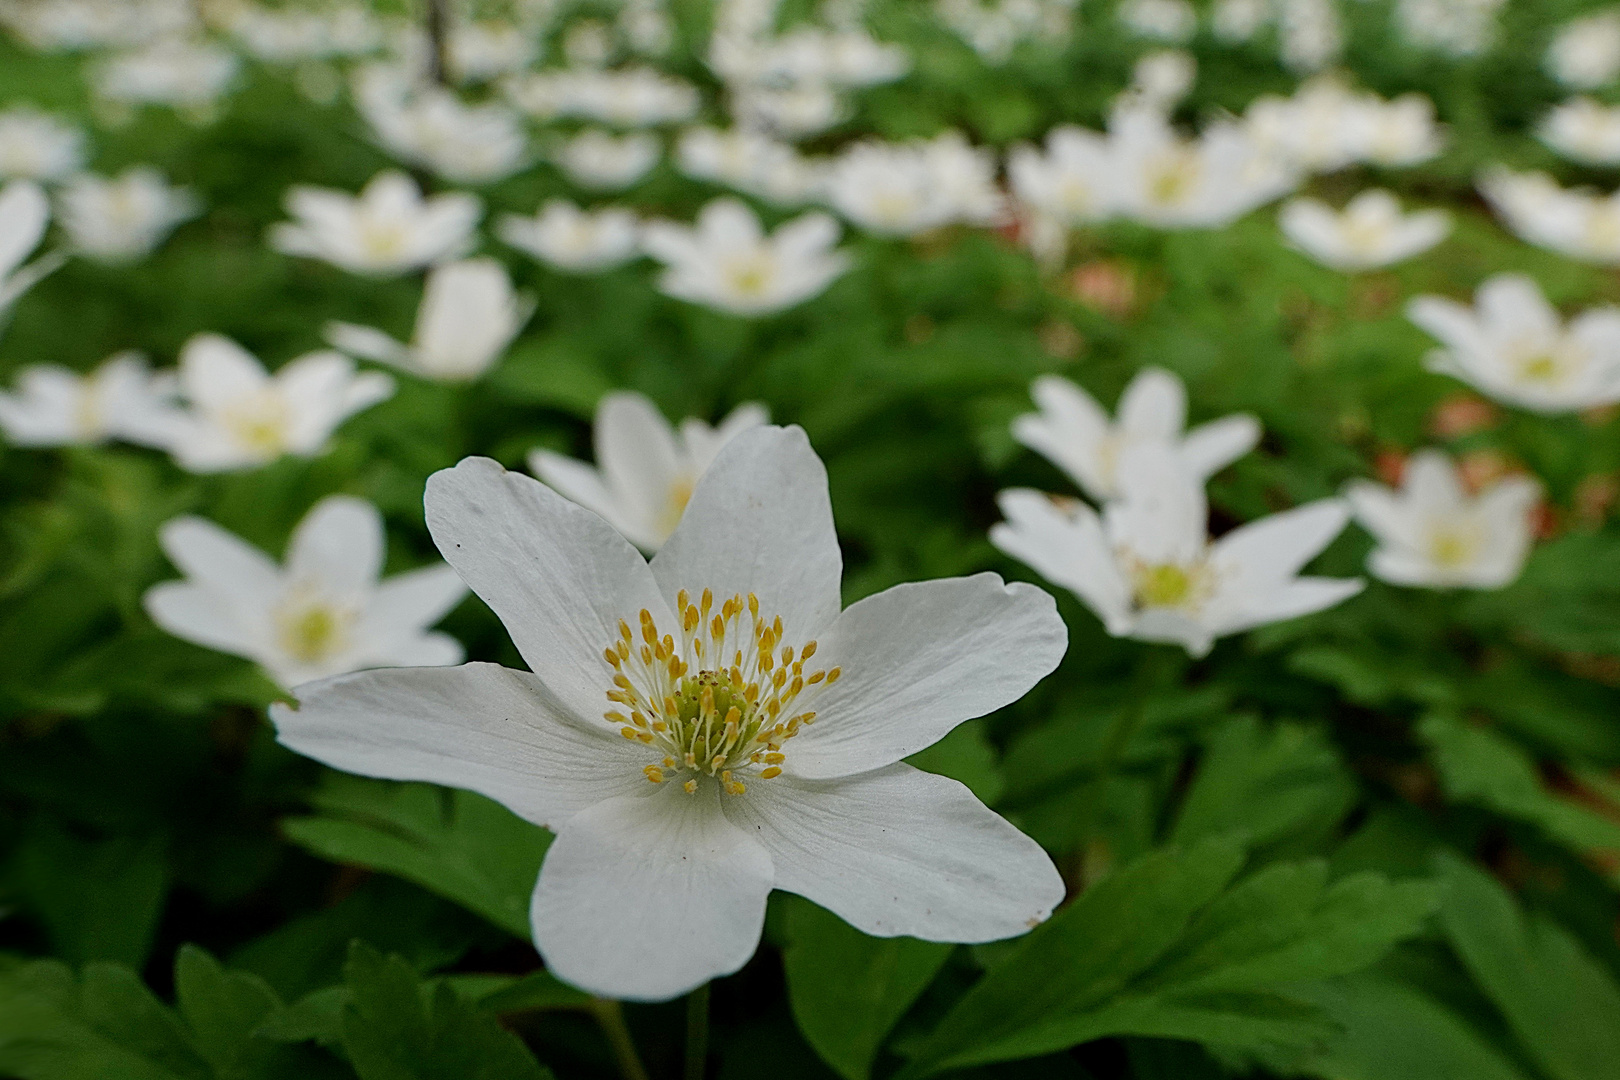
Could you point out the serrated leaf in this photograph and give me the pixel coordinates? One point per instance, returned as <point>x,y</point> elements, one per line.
<point>847,989</point>
<point>224,1009</point>
<point>466,848</point>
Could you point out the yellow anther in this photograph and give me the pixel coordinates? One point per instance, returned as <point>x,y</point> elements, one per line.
<point>817,677</point>
<point>787,654</point>
<point>669,762</point>
<point>690,620</point>
<point>682,598</point>
<point>708,600</point>
<point>753,605</point>
<point>628,732</point>
<point>645,736</point>
<point>654,773</point>
<point>717,627</point>
<point>623,651</point>
<point>770,773</point>
<point>637,719</point>
<point>775,759</point>
<point>832,676</point>
<point>776,628</point>
<point>691,787</point>
<point>809,650</point>
<point>615,717</point>
<point>779,679</point>
<point>646,655</point>
<point>691,760</point>
<point>611,657</point>
<point>621,682</point>
<point>624,631</point>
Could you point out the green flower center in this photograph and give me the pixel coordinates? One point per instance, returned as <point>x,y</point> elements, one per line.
<point>1166,585</point>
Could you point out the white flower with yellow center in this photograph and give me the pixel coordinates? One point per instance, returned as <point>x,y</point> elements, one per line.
<point>434,128</point>
<point>602,161</point>
<point>1075,433</point>
<point>650,683</point>
<point>1370,232</point>
<point>124,218</point>
<point>37,146</point>
<point>241,416</point>
<point>1147,567</point>
<point>567,238</point>
<point>1513,346</point>
<point>1432,534</point>
<point>1172,182</point>
<point>1071,183</point>
<point>324,613</point>
<point>388,229</point>
<point>901,189</point>
<point>54,406</point>
<point>727,262</point>
<point>645,469</point>
<point>468,316</point>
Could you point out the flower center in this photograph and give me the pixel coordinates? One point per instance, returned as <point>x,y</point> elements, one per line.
<point>259,423</point>
<point>310,630</point>
<point>1165,585</point>
<point>1451,548</point>
<point>382,241</point>
<point>1172,177</point>
<point>719,700</point>
<point>752,276</point>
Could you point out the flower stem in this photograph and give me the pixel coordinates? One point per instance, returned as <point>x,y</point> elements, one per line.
<point>697,1032</point>
<point>438,33</point>
<point>610,1015</point>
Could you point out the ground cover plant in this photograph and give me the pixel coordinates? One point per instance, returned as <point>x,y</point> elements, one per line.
<point>1130,497</point>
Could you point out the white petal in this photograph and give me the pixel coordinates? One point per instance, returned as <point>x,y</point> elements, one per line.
<point>917,660</point>
<point>638,459</point>
<point>407,603</point>
<point>901,851</point>
<point>24,211</point>
<point>367,343</point>
<point>200,615</point>
<point>220,561</point>
<point>215,371</point>
<point>559,577</point>
<point>1209,448</point>
<point>482,727</point>
<point>760,521</point>
<point>647,896</point>
<point>338,545</point>
<point>1153,406</point>
<point>1161,515</point>
<point>1275,547</point>
<point>1382,513</point>
<point>1067,549</point>
<point>1302,596</point>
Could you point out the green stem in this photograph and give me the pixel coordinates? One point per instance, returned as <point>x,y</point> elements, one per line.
<point>610,1015</point>
<point>697,1032</point>
<point>438,33</point>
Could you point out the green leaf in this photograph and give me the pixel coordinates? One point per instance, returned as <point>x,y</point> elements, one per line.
<point>1559,1001</point>
<point>1568,596</point>
<point>464,847</point>
<point>1169,948</point>
<point>98,899</point>
<point>536,990</point>
<point>847,989</point>
<point>1264,783</point>
<point>965,754</point>
<point>394,1028</point>
<point>224,1010</point>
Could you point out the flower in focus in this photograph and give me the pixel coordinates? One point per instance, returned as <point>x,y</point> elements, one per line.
<point>728,263</point>
<point>706,728</point>
<point>1147,567</point>
<point>579,241</point>
<point>1585,54</point>
<point>37,146</point>
<point>1432,534</point>
<point>323,613</point>
<point>645,470</point>
<point>1074,433</point>
<point>388,229</point>
<point>1370,232</point>
<point>241,416</point>
<point>54,406</point>
<point>1582,130</point>
<point>602,161</point>
<point>1575,222</point>
<point>468,316</point>
<point>125,218</point>
<point>24,213</point>
<point>1512,346</point>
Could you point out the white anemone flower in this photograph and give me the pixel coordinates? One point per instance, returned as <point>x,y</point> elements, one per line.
<point>1585,54</point>
<point>727,262</point>
<point>388,229</point>
<point>24,213</point>
<point>1075,433</point>
<point>122,219</point>
<point>55,406</point>
<point>1513,346</point>
<point>323,613</point>
<point>1370,232</point>
<point>602,161</point>
<point>1582,130</point>
<point>1172,182</point>
<point>37,146</point>
<point>468,316</point>
<point>901,189</point>
<point>434,128</point>
<point>1072,183</point>
<point>241,416</point>
<point>1432,534</point>
<point>645,469</point>
<point>577,241</point>
<point>752,736</point>
<point>751,162</point>
<point>1147,567</point>
<point>1576,222</point>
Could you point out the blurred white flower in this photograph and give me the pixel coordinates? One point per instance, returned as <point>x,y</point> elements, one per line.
<point>1586,53</point>
<point>1147,567</point>
<point>1575,222</point>
<point>645,469</point>
<point>1432,534</point>
<point>751,162</point>
<point>1236,21</point>
<point>1075,433</point>
<point>1073,183</point>
<point>1454,27</point>
<point>388,229</point>
<point>1583,130</point>
<point>633,97</point>
<point>324,612</point>
<point>293,35</point>
<point>1163,77</point>
<point>125,218</point>
<point>1326,125</point>
<point>901,189</point>
<point>793,112</point>
<point>1312,33</point>
<point>73,25</point>
<point>468,316</point>
<point>1370,232</point>
<point>727,262</point>
<point>1174,21</point>
<point>1168,181</point>
<point>1513,346</point>
<point>670,838</point>
<point>240,416</point>
<point>55,406</point>
<point>601,161</point>
<point>188,74</point>
<point>24,213</point>
<point>37,146</point>
<point>482,49</point>
<point>434,128</point>
<point>579,241</point>
<point>993,29</point>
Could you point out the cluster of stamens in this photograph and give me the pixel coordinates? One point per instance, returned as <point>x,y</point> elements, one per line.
<point>723,697</point>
